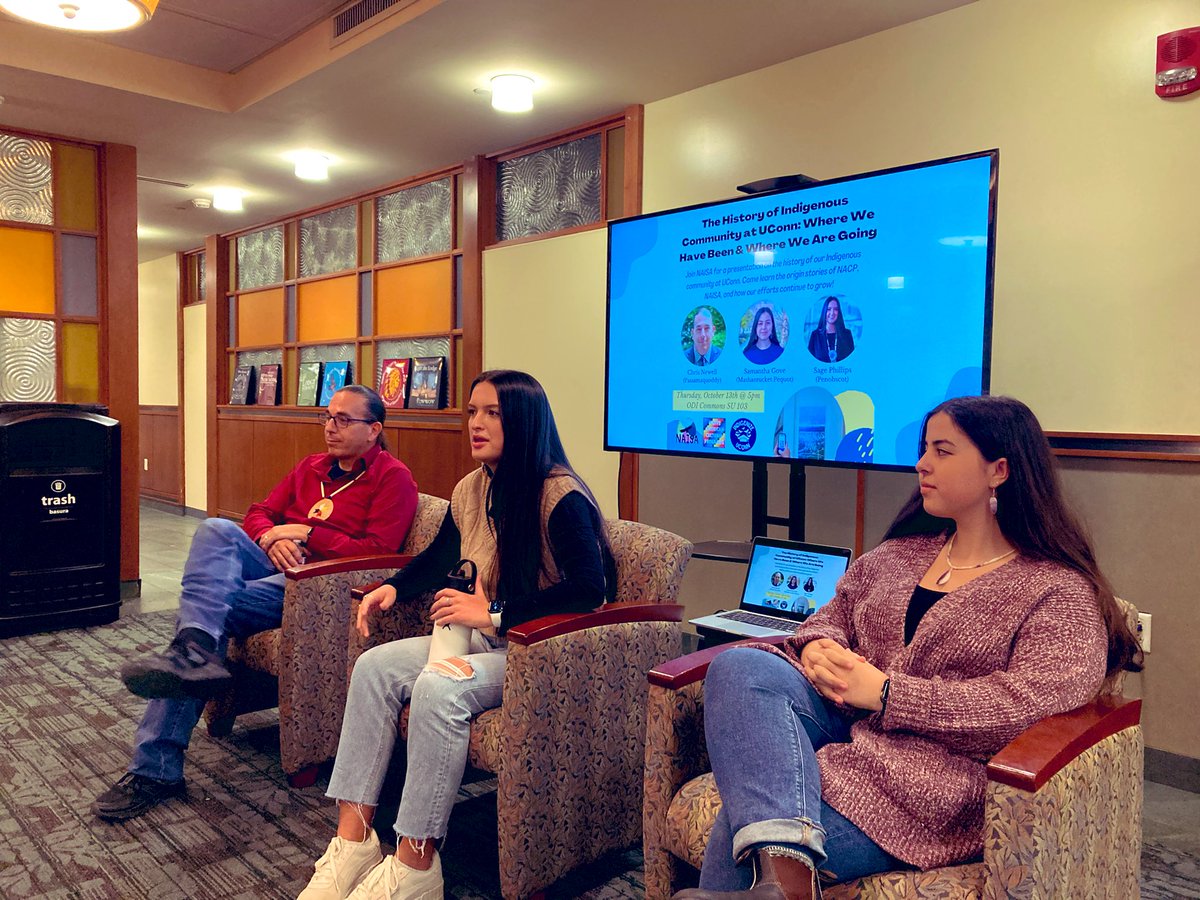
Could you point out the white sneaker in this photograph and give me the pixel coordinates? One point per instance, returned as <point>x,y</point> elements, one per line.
<point>393,880</point>
<point>344,865</point>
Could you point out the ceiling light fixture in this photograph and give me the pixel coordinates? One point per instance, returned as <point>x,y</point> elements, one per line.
<point>83,15</point>
<point>512,93</point>
<point>311,166</point>
<point>227,199</point>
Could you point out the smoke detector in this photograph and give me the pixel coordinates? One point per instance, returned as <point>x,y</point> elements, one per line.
<point>202,202</point>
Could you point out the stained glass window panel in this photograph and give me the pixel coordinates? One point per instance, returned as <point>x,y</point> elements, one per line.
<point>78,275</point>
<point>413,222</point>
<point>81,363</point>
<point>413,299</point>
<point>327,310</point>
<point>27,360</point>
<point>26,270</point>
<point>329,242</point>
<point>260,258</point>
<point>26,188</point>
<point>549,190</point>
<point>75,186</point>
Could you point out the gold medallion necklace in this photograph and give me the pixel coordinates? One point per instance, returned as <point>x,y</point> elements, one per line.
<point>323,508</point>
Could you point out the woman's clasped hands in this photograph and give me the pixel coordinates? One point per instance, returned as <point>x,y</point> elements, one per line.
<point>449,606</point>
<point>841,675</point>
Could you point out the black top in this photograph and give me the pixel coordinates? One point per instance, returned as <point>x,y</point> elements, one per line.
<point>589,578</point>
<point>922,601</point>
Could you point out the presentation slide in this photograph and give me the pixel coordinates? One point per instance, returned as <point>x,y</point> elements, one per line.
<point>819,324</point>
<point>791,580</point>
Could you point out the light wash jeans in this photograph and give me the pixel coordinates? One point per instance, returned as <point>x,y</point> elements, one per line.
<point>439,728</point>
<point>230,588</point>
<point>763,723</point>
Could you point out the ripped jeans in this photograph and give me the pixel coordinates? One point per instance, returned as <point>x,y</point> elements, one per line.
<point>439,730</point>
<point>763,724</point>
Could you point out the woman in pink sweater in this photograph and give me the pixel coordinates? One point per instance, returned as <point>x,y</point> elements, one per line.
<point>860,745</point>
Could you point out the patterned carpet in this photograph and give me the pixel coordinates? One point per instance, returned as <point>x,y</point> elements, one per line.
<point>65,728</point>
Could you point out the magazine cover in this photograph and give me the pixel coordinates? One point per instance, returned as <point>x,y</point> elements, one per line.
<point>428,381</point>
<point>268,385</point>
<point>310,384</point>
<point>333,380</point>
<point>242,388</point>
<point>393,382</point>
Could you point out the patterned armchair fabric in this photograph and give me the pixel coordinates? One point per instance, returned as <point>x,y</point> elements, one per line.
<point>1062,817</point>
<point>566,744</point>
<point>302,666</point>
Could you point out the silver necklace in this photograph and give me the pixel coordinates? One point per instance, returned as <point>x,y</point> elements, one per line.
<point>952,568</point>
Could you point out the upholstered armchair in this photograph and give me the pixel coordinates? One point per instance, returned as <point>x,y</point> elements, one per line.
<point>566,744</point>
<point>1062,816</point>
<point>302,666</point>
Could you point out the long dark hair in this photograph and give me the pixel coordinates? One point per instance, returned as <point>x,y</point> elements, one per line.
<point>533,452</point>
<point>376,411</point>
<point>764,311</point>
<point>1032,514</point>
<point>840,325</point>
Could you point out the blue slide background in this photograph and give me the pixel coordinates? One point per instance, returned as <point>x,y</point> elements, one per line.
<point>918,289</point>
<point>767,560</point>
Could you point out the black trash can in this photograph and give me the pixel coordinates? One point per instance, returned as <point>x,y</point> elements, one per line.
<point>60,516</point>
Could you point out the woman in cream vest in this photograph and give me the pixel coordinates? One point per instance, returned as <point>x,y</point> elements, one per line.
<point>535,534</point>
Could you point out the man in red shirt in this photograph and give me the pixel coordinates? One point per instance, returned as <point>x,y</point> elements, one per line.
<point>355,500</point>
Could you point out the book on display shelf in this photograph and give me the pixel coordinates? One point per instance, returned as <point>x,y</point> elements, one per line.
<point>393,382</point>
<point>242,389</point>
<point>310,383</point>
<point>428,382</point>
<point>333,379</point>
<point>268,385</point>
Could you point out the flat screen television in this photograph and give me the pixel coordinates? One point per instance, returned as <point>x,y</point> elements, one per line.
<point>817,324</point>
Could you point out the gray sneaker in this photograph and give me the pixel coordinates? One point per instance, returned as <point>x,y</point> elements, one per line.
<point>342,868</point>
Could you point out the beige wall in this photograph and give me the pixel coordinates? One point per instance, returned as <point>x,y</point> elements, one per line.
<point>1095,321</point>
<point>195,396</point>
<point>158,343</point>
<point>543,312</point>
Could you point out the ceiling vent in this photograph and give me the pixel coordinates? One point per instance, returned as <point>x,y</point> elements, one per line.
<point>358,17</point>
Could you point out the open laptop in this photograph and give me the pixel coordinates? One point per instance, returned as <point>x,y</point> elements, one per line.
<point>786,582</point>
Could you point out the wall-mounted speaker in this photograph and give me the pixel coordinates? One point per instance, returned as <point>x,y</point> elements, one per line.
<point>1177,63</point>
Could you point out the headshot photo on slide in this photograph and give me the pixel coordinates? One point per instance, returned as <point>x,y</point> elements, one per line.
<point>703,336</point>
<point>763,333</point>
<point>833,326</point>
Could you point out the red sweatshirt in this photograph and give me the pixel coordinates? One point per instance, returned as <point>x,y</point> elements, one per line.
<point>371,516</point>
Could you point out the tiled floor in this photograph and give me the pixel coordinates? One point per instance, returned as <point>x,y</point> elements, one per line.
<point>1170,816</point>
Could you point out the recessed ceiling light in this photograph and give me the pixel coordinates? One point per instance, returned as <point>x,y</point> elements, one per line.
<point>83,15</point>
<point>311,165</point>
<point>227,199</point>
<point>512,93</point>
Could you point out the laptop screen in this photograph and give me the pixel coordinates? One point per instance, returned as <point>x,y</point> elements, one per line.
<point>791,579</point>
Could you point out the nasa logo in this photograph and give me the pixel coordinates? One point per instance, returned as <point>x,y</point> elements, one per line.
<point>742,434</point>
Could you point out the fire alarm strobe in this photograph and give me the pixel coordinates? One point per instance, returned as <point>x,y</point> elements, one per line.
<point>1178,59</point>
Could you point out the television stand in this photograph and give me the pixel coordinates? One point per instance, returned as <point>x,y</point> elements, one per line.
<point>739,551</point>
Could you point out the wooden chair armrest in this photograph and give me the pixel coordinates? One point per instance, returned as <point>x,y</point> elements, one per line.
<point>1033,757</point>
<point>685,670</point>
<point>346,564</point>
<point>363,589</point>
<point>547,627</point>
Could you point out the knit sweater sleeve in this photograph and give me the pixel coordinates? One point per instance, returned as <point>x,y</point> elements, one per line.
<point>834,620</point>
<point>1057,663</point>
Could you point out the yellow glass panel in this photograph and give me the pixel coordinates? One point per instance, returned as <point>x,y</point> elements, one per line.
<point>75,187</point>
<point>366,369</point>
<point>26,271</point>
<point>80,363</point>
<point>327,310</point>
<point>413,299</point>
<point>614,173</point>
<point>260,318</point>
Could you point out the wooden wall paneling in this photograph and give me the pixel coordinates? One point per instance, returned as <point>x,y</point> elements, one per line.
<point>628,477</point>
<point>216,285</point>
<point>160,450</point>
<point>234,482</point>
<point>434,453</point>
<point>118,373</point>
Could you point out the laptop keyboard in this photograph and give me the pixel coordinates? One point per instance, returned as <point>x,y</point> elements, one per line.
<point>749,618</point>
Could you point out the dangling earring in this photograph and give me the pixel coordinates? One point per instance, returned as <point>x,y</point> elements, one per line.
<point>992,505</point>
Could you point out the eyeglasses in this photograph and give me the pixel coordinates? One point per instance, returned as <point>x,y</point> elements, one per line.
<point>341,420</point>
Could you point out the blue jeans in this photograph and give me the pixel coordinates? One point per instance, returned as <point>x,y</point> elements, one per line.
<point>439,728</point>
<point>230,588</point>
<point>763,723</point>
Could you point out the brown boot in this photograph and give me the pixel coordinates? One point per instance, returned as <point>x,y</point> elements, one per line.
<point>778,878</point>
